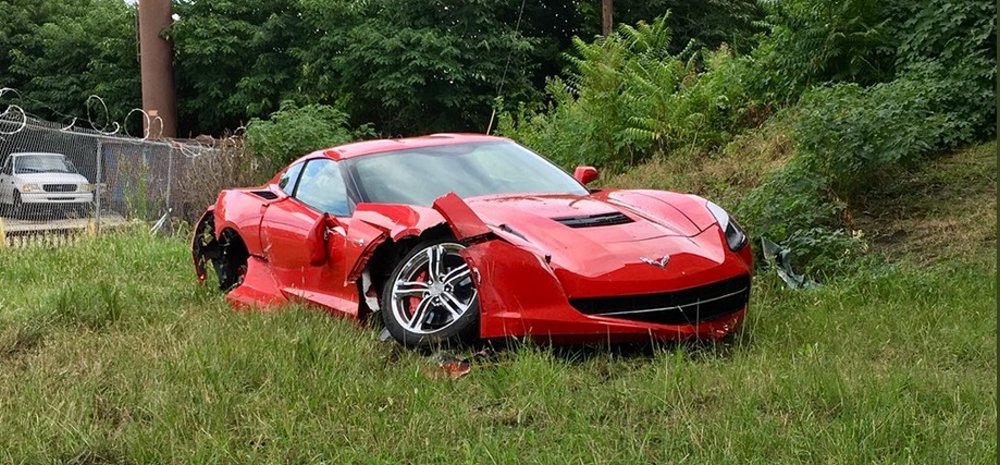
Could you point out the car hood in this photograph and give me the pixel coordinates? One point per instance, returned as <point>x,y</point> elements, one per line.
<point>588,257</point>
<point>588,260</point>
<point>50,178</point>
<point>578,218</point>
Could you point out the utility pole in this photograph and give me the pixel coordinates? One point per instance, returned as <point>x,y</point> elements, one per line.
<point>606,13</point>
<point>159,99</point>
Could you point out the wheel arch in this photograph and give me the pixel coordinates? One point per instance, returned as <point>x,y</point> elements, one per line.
<point>380,263</point>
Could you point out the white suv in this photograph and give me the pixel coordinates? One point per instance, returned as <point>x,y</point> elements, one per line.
<point>42,180</point>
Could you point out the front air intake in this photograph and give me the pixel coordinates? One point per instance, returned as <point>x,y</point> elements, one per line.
<point>686,306</point>
<point>591,221</point>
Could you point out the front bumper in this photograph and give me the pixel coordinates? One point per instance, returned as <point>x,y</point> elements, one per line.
<point>56,199</point>
<point>523,297</point>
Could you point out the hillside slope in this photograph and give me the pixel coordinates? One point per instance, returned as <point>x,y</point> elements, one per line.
<point>944,208</point>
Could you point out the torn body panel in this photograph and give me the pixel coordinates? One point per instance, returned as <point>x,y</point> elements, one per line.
<point>398,221</point>
<point>464,223</point>
<point>259,290</point>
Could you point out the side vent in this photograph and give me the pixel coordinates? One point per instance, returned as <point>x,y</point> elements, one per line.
<point>603,219</point>
<point>265,194</point>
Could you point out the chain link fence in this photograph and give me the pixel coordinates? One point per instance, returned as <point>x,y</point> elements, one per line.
<point>59,181</point>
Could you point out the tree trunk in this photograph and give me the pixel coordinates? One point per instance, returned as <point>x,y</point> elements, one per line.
<point>606,8</point>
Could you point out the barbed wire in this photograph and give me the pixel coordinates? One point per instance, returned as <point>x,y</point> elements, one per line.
<point>100,122</point>
<point>9,115</point>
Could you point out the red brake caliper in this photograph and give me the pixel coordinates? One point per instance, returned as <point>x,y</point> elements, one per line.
<point>414,300</point>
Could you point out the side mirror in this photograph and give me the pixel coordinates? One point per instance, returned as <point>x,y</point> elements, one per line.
<point>586,174</point>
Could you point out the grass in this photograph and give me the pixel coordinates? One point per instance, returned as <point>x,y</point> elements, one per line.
<point>109,353</point>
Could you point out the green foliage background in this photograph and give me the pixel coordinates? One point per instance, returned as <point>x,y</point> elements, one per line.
<point>868,86</point>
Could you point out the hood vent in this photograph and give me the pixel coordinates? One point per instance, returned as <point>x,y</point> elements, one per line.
<point>603,219</point>
<point>265,194</point>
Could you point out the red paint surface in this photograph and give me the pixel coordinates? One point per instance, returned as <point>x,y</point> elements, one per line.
<point>527,266</point>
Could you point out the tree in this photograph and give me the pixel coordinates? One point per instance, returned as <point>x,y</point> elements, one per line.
<point>234,60</point>
<point>709,23</point>
<point>418,66</point>
<point>59,53</point>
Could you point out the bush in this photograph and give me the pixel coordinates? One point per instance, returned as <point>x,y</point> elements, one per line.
<point>951,47</point>
<point>848,137</point>
<point>294,131</point>
<point>228,164</point>
<point>627,97</point>
<point>796,208</point>
<point>848,134</point>
<point>811,43</point>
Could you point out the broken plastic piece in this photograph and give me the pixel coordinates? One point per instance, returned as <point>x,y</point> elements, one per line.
<point>451,366</point>
<point>464,223</point>
<point>780,258</point>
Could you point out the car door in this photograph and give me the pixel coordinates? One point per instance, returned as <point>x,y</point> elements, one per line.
<point>301,235</point>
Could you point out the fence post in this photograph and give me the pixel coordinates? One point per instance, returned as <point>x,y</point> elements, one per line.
<point>170,172</point>
<point>97,188</point>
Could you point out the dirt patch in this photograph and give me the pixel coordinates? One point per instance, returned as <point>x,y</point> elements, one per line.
<point>943,209</point>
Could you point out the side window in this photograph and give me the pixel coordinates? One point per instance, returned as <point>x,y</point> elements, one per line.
<point>287,180</point>
<point>322,187</point>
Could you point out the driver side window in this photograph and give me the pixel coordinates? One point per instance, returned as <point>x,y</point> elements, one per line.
<point>322,187</point>
<point>288,179</point>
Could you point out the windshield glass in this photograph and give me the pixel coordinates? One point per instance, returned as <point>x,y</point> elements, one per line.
<point>42,164</point>
<point>418,176</point>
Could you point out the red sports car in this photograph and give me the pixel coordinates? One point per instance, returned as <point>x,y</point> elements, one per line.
<point>450,236</point>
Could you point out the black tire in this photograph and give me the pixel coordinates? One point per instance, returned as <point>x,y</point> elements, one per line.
<point>444,299</point>
<point>231,264</point>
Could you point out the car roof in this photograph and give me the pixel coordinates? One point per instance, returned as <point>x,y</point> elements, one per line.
<point>368,147</point>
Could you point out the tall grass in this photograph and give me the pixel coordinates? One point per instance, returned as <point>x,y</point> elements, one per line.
<point>109,353</point>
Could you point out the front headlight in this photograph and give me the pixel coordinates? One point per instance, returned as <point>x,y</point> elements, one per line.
<point>735,237</point>
<point>26,188</point>
<point>85,187</point>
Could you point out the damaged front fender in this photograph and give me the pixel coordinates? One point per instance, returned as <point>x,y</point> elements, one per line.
<point>464,223</point>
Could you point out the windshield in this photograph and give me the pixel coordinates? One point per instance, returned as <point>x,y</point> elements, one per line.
<point>42,164</point>
<point>418,176</point>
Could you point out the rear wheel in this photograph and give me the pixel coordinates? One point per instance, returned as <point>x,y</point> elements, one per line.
<point>430,297</point>
<point>231,264</point>
<point>227,253</point>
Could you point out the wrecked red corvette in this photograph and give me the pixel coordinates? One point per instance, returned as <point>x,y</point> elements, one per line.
<point>451,237</point>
